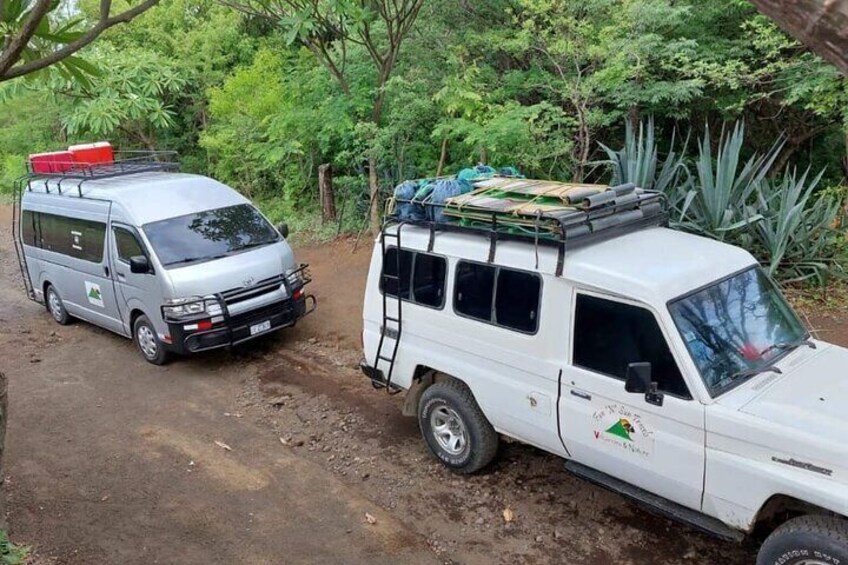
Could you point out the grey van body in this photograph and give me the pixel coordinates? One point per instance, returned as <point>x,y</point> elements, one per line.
<point>76,237</point>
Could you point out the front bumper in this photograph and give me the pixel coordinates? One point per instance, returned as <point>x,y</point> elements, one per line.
<point>193,337</point>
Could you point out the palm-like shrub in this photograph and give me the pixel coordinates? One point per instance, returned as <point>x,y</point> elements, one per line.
<point>786,224</point>
<point>796,239</point>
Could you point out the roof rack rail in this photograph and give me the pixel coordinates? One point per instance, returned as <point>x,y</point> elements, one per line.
<point>124,163</point>
<point>547,213</point>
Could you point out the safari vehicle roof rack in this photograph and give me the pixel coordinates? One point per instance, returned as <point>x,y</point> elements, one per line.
<point>549,213</point>
<point>123,163</point>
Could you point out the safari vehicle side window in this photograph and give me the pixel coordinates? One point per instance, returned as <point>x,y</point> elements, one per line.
<point>499,296</point>
<point>609,335</point>
<point>421,279</point>
<point>127,244</point>
<point>82,239</point>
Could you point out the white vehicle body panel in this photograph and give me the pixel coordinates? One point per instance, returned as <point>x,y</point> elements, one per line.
<point>721,456</point>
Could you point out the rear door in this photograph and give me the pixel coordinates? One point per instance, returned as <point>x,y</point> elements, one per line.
<point>658,446</point>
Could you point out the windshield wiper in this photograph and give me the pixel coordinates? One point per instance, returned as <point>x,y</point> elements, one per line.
<point>755,371</point>
<point>787,345</point>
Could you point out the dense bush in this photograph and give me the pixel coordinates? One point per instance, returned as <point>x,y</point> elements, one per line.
<point>788,223</point>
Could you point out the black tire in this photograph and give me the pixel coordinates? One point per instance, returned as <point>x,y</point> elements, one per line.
<point>55,306</point>
<point>452,402</point>
<point>807,539</point>
<point>147,342</point>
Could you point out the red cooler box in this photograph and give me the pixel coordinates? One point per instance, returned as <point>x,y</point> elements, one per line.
<point>92,153</point>
<point>53,162</point>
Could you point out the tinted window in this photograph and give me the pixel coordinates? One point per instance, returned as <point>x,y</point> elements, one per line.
<point>428,280</point>
<point>28,231</point>
<point>127,244</point>
<point>82,239</point>
<point>390,270</point>
<point>475,287</point>
<point>517,300</point>
<point>608,336</point>
<point>209,235</point>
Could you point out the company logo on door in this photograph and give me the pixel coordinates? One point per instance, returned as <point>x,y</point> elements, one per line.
<point>92,292</point>
<point>618,426</point>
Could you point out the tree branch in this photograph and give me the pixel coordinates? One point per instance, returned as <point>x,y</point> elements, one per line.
<point>12,51</point>
<point>104,23</point>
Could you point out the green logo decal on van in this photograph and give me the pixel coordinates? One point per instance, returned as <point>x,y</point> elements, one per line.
<point>94,294</point>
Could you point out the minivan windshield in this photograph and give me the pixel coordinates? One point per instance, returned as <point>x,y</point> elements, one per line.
<point>208,235</point>
<point>737,328</point>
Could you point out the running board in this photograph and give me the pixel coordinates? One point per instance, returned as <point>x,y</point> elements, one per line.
<point>655,503</point>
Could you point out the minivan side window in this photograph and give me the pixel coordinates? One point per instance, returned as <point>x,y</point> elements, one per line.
<point>127,244</point>
<point>421,279</point>
<point>29,234</point>
<point>82,239</point>
<point>504,297</point>
<point>610,335</point>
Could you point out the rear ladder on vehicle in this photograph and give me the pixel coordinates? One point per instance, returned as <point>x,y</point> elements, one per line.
<point>17,236</point>
<point>392,326</point>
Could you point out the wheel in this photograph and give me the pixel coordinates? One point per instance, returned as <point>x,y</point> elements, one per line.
<point>807,540</point>
<point>455,429</point>
<point>148,342</point>
<point>56,307</point>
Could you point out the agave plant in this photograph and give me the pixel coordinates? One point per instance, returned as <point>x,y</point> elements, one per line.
<point>795,239</point>
<point>715,206</point>
<point>638,162</point>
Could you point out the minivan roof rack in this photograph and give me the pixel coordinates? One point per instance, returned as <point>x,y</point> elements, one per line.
<point>548,213</point>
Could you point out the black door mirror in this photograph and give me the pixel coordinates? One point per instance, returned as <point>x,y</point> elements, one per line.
<point>283,228</point>
<point>139,264</point>
<point>638,378</point>
<point>639,381</point>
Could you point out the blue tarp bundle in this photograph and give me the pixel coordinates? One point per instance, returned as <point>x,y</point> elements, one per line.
<point>425,199</point>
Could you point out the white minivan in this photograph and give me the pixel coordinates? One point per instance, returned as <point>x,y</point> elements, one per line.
<point>178,262</point>
<point>659,364</point>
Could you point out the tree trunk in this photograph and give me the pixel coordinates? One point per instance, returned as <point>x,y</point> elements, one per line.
<point>325,191</point>
<point>374,191</point>
<point>821,25</point>
<point>443,157</point>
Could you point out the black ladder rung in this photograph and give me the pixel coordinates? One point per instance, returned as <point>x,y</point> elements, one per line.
<point>396,320</point>
<point>391,277</point>
<point>384,358</point>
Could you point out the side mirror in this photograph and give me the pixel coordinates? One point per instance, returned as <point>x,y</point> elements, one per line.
<point>139,264</point>
<point>283,228</point>
<point>638,379</point>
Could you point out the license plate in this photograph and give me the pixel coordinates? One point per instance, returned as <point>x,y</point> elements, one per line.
<point>259,328</point>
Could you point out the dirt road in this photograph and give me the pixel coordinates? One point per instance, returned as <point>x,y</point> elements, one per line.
<point>112,460</point>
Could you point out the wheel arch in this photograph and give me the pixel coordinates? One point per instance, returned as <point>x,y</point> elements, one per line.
<point>780,508</point>
<point>423,378</point>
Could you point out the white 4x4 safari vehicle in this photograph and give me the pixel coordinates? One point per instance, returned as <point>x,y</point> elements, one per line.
<point>662,365</point>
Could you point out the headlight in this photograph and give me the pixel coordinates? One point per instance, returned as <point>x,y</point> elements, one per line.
<point>187,307</point>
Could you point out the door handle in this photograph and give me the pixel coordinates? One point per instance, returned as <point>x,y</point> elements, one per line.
<point>580,394</point>
<point>106,270</point>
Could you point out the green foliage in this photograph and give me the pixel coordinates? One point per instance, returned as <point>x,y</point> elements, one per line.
<point>787,224</point>
<point>10,553</point>
<point>714,206</point>
<point>546,85</point>
<point>796,239</point>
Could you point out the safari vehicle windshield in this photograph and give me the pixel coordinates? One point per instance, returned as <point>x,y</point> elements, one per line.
<point>208,235</point>
<point>737,328</point>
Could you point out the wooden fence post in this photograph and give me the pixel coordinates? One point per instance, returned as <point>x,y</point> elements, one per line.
<point>325,191</point>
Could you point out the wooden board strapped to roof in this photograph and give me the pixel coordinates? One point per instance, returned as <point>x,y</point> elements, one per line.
<point>520,202</point>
